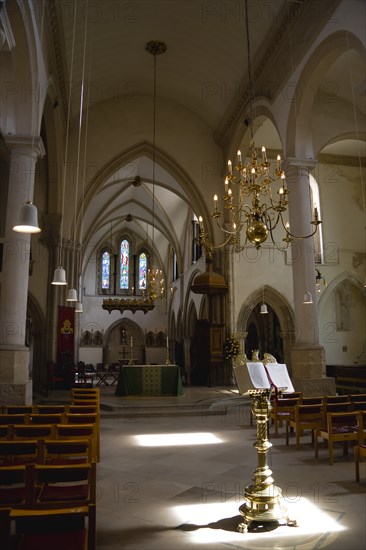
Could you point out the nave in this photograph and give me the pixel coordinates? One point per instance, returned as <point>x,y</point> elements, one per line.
<point>173,472</point>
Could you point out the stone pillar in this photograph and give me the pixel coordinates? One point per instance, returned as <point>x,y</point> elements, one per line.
<point>50,237</point>
<point>308,357</point>
<point>15,385</point>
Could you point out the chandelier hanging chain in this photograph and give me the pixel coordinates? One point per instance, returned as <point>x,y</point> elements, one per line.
<point>155,285</point>
<point>249,200</point>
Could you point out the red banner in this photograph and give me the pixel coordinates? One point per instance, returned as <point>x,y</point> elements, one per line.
<point>65,340</point>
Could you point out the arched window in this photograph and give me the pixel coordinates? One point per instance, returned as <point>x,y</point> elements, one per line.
<point>124,264</point>
<point>142,282</point>
<point>106,270</point>
<point>315,203</point>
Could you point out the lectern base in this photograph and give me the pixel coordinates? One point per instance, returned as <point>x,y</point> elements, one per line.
<point>263,506</point>
<point>263,500</point>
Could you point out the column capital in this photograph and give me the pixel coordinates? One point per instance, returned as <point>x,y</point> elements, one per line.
<point>300,163</point>
<point>29,145</point>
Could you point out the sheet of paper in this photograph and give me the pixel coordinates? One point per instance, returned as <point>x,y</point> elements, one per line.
<point>250,376</point>
<point>279,375</point>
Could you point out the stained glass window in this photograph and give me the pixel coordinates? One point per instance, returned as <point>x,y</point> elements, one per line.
<point>142,271</point>
<point>124,263</point>
<point>106,270</point>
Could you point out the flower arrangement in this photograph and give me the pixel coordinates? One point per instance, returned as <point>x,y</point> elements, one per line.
<point>231,347</point>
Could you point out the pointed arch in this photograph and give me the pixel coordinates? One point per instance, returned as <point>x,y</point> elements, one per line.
<point>282,310</point>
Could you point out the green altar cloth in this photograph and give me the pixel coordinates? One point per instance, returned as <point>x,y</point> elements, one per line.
<point>149,380</point>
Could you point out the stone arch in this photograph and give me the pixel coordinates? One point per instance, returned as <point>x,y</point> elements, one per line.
<point>188,298</point>
<point>299,120</point>
<point>261,110</point>
<point>339,320</point>
<point>111,345</point>
<point>129,155</point>
<point>282,310</point>
<point>34,339</point>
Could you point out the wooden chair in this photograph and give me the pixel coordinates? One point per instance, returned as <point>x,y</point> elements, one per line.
<point>312,400</point>
<point>50,409</point>
<point>341,427</point>
<point>46,419</point>
<point>18,452</point>
<point>359,453</point>
<point>362,419</point>
<point>355,397</point>
<point>90,418</point>
<point>12,486</point>
<point>4,432</point>
<point>335,399</point>
<point>283,409</point>
<point>358,405</point>
<point>32,431</point>
<point>289,395</point>
<point>61,484</point>
<point>19,409</point>
<point>7,419</point>
<point>79,431</point>
<point>85,393</point>
<point>48,507</point>
<point>82,409</point>
<point>307,417</point>
<point>44,529</point>
<point>76,451</point>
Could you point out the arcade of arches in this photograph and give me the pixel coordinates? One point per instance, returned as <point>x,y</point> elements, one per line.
<point>77,139</point>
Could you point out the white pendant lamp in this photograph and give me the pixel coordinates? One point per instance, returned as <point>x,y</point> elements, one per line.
<point>72,295</point>
<point>79,307</point>
<point>308,299</point>
<point>59,277</point>
<point>28,219</point>
<point>264,309</point>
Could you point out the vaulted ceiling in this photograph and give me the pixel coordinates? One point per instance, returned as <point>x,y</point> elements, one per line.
<point>204,70</point>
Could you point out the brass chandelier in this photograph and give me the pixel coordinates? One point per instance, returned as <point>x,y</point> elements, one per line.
<point>255,195</point>
<point>256,180</point>
<point>146,302</point>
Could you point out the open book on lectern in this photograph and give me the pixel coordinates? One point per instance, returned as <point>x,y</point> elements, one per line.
<point>256,375</point>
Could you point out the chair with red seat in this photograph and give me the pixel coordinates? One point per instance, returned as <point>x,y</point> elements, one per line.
<point>76,451</point>
<point>12,486</point>
<point>18,452</point>
<point>307,418</point>
<point>359,454</point>
<point>341,427</point>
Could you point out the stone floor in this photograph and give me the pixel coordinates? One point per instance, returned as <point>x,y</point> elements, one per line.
<point>173,472</point>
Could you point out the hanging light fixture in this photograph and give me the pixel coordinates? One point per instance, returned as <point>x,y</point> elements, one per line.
<point>79,307</point>
<point>318,279</point>
<point>308,298</point>
<point>59,277</point>
<point>255,193</point>
<point>155,284</point>
<point>72,295</point>
<point>264,309</point>
<point>60,274</point>
<point>28,219</point>
<point>28,214</point>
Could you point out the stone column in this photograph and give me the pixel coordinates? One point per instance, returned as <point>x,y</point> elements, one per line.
<point>50,237</point>
<point>15,385</point>
<point>308,358</point>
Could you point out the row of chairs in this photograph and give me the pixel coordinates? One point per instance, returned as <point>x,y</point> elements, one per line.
<point>283,409</point>
<point>45,451</point>
<point>51,506</point>
<point>48,483</point>
<point>75,428</point>
<point>48,409</point>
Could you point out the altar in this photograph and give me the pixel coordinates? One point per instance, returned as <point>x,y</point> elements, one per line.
<point>149,380</point>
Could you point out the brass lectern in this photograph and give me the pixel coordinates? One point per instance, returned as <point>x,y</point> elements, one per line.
<point>263,501</point>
